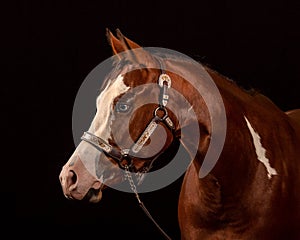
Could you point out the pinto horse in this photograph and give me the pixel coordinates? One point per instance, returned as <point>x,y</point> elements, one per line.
<point>253,189</point>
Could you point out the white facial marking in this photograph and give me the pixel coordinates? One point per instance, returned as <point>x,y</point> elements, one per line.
<point>103,117</point>
<point>101,126</point>
<point>260,150</point>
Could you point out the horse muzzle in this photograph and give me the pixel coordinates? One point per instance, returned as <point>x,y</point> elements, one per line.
<point>77,183</point>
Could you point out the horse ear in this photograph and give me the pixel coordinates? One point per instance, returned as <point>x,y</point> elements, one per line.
<point>129,44</point>
<point>121,43</point>
<point>115,43</point>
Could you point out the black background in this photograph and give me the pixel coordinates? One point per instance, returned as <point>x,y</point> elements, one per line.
<point>53,45</point>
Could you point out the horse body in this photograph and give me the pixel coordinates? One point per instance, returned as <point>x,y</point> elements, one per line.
<point>238,199</point>
<point>252,191</point>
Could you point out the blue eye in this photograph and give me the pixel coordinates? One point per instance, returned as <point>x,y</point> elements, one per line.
<point>122,107</point>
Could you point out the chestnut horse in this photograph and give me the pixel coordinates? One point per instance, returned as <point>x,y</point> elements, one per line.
<point>253,190</point>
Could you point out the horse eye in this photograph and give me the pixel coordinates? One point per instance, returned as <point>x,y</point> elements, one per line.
<point>122,107</point>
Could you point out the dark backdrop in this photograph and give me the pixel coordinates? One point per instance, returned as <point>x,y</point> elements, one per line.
<point>57,43</point>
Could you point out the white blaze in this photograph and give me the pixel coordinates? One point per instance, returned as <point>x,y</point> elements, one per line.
<point>260,150</point>
<point>101,127</point>
<point>103,118</point>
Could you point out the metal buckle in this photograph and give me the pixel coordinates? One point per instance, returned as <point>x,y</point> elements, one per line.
<point>164,78</point>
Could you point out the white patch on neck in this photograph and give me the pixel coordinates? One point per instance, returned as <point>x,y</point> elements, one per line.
<point>103,118</point>
<point>260,150</point>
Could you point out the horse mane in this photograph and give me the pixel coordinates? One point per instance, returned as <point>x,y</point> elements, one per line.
<point>251,91</point>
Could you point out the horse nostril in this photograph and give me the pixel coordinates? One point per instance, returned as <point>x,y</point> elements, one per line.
<point>73,177</point>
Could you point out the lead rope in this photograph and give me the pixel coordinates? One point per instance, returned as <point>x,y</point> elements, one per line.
<point>133,188</point>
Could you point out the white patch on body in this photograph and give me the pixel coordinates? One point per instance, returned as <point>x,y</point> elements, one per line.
<point>103,118</point>
<point>260,150</point>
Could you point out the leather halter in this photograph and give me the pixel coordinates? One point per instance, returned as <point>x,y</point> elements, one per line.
<point>124,156</point>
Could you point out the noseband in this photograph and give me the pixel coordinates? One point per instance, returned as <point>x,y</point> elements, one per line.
<point>124,156</point>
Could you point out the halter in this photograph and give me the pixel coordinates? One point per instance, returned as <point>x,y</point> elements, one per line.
<point>124,156</point>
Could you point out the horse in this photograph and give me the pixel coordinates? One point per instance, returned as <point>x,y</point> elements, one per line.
<point>250,192</point>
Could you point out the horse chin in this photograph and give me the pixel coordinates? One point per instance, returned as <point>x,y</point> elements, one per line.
<point>96,197</point>
<point>93,195</point>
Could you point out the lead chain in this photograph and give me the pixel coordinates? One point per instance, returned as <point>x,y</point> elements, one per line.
<point>128,176</point>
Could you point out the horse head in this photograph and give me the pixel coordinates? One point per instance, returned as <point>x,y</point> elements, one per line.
<point>132,127</point>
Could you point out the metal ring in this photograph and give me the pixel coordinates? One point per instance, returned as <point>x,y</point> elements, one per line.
<point>164,110</point>
<point>126,158</point>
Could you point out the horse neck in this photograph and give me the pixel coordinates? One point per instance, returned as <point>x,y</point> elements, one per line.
<point>239,153</point>
<point>238,167</point>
